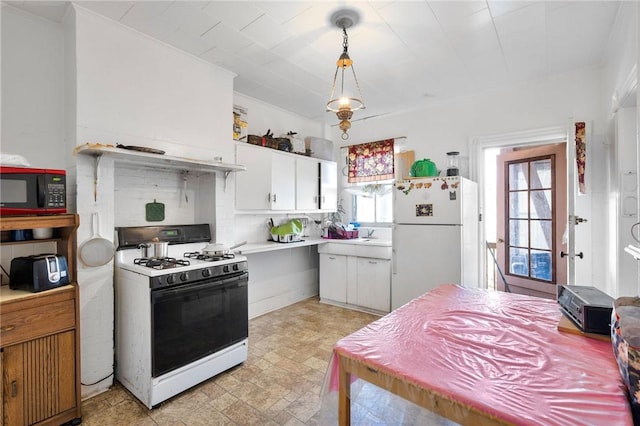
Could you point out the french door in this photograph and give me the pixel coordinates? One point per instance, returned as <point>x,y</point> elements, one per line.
<point>532,211</point>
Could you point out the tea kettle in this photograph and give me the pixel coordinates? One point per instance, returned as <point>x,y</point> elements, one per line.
<point>423,168</point>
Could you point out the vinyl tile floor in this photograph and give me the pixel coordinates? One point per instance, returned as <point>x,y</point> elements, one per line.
<point>279,384</point>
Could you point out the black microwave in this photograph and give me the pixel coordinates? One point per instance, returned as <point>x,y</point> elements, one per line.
<point>26,190</point>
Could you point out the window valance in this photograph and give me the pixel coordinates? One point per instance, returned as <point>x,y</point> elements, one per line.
<point>371,161</point>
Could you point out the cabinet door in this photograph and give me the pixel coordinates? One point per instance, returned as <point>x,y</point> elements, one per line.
<point>283,182</point>
<point>39,379</point>
<point>253,186</point>
<point>333,277</point>
<point>374,284</point>
<point>307,184</point>
<point>328,186</point>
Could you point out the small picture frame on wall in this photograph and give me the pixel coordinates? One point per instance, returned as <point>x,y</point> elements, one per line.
<point>240,124</point>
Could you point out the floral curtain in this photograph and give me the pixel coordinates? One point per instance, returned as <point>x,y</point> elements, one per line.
<point>372,161</point>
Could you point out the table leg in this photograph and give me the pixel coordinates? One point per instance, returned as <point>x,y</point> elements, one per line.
<point>344,394</point>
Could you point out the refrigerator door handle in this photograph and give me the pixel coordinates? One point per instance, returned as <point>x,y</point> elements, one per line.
<point>393,250</point>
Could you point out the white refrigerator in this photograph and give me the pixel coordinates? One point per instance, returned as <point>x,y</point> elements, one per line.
<point>435,236</point>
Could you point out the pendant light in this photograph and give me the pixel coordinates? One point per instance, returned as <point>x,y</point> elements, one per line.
<point>348,97</point>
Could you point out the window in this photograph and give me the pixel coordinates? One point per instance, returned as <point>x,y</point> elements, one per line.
<point>529,213</point>
<point>370,172</point>
<point>374,204</point>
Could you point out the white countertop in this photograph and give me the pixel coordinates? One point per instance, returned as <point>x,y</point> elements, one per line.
<point>260,247</point>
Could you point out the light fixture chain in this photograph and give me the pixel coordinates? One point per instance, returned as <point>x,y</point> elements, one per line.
<point>333,86</point>
<point>345,39</point>
<point>353,70</point>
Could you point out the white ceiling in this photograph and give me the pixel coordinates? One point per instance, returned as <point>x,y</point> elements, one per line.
<point>406,53</point>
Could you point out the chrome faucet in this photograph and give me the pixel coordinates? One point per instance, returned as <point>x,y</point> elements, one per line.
<point>370,232</point>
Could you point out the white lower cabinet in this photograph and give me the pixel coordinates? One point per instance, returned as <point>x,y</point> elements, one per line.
<point>373,283</point>
<point>333,277</point>
<point>356,281</point>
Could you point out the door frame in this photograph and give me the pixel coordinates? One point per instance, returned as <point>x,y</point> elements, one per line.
<point>557,152</point>
<point>477,146</point>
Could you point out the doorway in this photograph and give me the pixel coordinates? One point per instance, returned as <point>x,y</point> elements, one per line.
<point>484,152</point>
<point>531,213</point>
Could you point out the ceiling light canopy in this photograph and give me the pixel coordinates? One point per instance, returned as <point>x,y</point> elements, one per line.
<point>348,97</point>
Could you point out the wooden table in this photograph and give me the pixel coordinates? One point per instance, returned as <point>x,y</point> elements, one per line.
<point>484,358</point>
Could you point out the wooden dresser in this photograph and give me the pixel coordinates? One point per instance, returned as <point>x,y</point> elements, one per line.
<point>40,338</point>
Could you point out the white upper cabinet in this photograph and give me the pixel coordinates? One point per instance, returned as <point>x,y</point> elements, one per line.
<point>307,183</point>
<point>328,186</point>
<point>281,181</point>
<point>268,183</point>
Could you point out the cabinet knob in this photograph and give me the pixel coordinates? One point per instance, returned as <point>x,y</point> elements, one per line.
<point>7,328</point>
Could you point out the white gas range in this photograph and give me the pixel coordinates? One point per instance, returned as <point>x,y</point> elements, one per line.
<point>180,320</point>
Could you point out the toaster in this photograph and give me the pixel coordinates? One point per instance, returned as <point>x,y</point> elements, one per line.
<point>38,272</point>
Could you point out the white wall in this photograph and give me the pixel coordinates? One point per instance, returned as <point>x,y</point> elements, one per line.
<point>32,89</point>
<point>619,93</point>
<point>449,125</point>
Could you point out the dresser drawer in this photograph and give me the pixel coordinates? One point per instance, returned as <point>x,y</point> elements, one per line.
<point>36,321</point>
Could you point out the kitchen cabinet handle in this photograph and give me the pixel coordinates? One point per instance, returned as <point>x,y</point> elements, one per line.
<point>372,262</point>
<point>7,328</point>
<point>14,389</point>
<point>332,258</point>
<point>274,198</point>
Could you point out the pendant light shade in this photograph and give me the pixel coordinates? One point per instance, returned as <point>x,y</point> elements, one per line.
<point>346,96</point>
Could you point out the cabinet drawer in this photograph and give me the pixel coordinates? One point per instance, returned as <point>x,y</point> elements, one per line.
<point>30,323</point>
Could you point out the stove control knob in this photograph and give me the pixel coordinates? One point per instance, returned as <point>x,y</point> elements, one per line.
<point>235,267</point>
<point>206,272</point>
<point>184,276</point>
<point>171,278</point>
<point>225,268</point>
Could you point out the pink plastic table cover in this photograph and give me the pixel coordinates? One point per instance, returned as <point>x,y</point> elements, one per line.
<point>498,353</point>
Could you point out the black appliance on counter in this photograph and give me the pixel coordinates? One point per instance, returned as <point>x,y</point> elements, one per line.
<point>589,308</point>
<point>38,272</point>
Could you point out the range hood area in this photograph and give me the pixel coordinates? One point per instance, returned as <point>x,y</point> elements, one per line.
<point>147,159</point>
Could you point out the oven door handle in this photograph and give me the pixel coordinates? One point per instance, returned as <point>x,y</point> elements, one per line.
<point>237,280</point>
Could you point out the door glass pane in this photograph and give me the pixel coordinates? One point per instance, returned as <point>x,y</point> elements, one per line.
<point>518,205</point>
<point>518,233</point>
<point>541,204</point>
<point>541,174</point>
<point>541,237</point>
<point>518,264</point>
<point>541,265</point>
<point>518,176</point>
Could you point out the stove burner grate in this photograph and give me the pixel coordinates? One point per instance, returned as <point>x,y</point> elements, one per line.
<point>208,257</point>
<point>161,263</point>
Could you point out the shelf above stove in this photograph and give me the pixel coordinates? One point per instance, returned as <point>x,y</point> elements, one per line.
<point>157,160</point>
